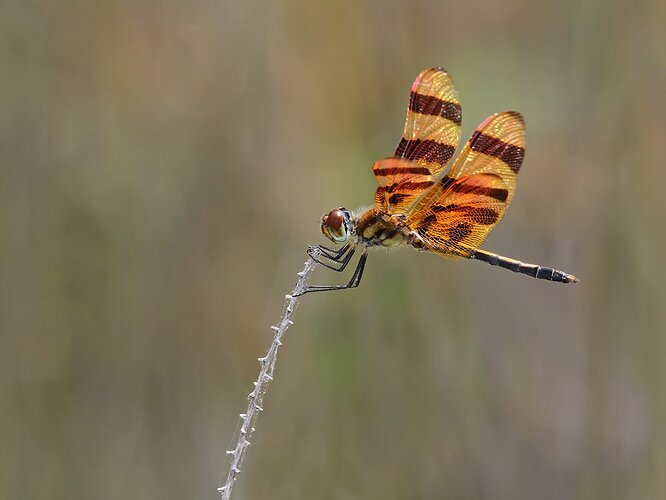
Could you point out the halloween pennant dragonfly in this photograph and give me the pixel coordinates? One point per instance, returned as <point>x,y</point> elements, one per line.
<point>421,204</point>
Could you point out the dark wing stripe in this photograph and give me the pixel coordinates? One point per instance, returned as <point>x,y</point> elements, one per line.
<point>409,186</point>
<point>396,198</point>
<point>429,105</point>
<point>479,215</point>
<point>442,208</point>
<point>385,172</point>
<point>482,215</point>
<point>428,219</point>
<point>446,182</point>
<point>459,232</point>
<point>508,153</point>
<point>427,150</point>
<point>498,194</point>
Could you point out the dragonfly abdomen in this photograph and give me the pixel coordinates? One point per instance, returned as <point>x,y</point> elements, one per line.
<point>534,270</point>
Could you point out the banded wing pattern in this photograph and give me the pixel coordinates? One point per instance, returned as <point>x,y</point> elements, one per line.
<point>430,137</point>
<point>456,215</point>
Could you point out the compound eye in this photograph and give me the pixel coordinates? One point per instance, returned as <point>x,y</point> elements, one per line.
<point>333,226</point>
<point>335,220</point>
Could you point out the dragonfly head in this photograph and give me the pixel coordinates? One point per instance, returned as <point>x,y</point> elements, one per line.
<point>336,225</point>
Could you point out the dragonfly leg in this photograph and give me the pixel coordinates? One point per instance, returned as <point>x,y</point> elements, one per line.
<point>337,261</point>
<point>353,282</point>
<point>331,253</point>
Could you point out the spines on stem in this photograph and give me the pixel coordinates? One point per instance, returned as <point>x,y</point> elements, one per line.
<point>255,397</point>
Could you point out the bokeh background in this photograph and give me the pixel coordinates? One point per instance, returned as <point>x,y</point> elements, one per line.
<point>164,165</point>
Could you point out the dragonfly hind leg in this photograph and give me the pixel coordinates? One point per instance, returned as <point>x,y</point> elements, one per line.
<point>353,282</point>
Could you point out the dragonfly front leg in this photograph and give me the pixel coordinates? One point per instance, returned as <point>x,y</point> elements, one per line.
<point>336,261</point>
<point>353,282</point>
<point>331,253</point>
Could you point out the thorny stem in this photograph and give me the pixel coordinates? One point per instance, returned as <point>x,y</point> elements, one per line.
<point>265,376</point>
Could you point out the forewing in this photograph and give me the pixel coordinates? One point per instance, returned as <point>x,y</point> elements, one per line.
<point>456,215</point>
<point>400,181</point>
<point>430,137</point>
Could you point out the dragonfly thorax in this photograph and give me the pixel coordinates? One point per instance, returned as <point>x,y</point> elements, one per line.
<point>376,228</point>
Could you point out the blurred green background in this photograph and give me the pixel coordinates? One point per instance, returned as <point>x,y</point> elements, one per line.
<point>165,164</point>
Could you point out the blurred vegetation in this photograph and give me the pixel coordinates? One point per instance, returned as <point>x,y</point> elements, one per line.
<point>165,164</point>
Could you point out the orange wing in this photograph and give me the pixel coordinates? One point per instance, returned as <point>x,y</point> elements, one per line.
<point>430,137</point>
<point>459,211</point>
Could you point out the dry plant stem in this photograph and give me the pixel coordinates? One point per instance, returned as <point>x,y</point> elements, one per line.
<point>265,376</point>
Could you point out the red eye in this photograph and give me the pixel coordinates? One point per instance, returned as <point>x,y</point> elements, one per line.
<point>334,220</point>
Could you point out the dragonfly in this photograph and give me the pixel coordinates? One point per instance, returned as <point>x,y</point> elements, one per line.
<point>422,204</point>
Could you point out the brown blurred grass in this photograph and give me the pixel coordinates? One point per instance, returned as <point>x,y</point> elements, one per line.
<point>164,166</point>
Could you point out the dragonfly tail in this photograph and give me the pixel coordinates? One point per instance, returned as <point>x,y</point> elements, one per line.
<point>534,270</point>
